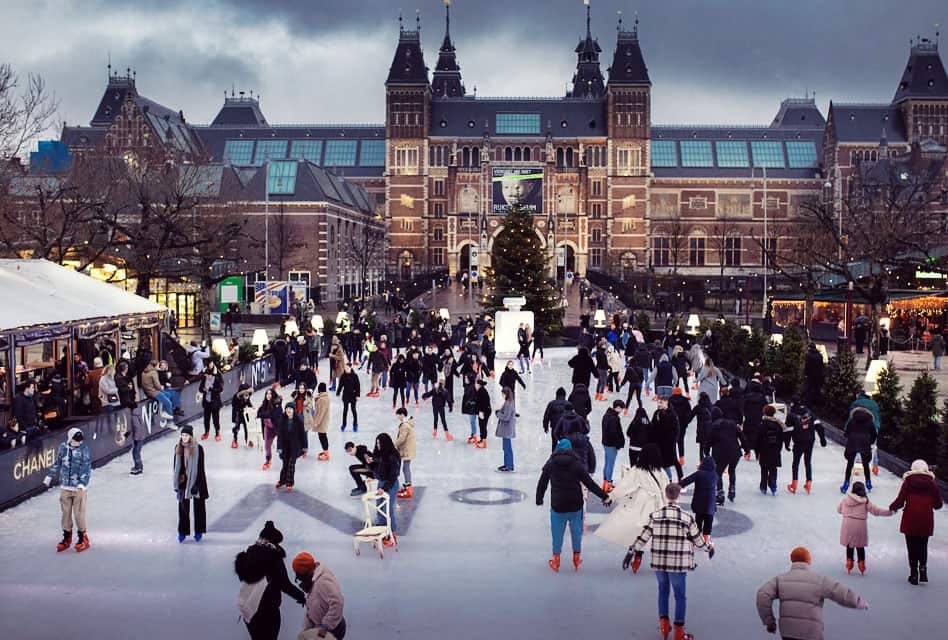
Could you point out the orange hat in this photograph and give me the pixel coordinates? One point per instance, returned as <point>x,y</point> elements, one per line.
<point>676,391</point>
<point>800,554</point>
<point>304,564</point>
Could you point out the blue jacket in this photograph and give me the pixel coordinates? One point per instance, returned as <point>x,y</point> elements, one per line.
<point>73,466</point>
<point>705,480</point>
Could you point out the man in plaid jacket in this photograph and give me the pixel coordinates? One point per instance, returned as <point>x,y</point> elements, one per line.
<point>674,536</point>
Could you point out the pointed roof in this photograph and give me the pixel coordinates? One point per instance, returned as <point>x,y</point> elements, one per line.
<point>240,110</point>
<point>408,64</point>
<point>446,81</point>
<point>628,64</point>
<point>588,81</point>
<point>924,76</point>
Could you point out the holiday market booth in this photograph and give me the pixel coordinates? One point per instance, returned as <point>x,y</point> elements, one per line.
<point>908,314</point>
<point>56,326</point>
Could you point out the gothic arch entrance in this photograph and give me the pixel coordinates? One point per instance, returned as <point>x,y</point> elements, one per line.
<point>570,261</point>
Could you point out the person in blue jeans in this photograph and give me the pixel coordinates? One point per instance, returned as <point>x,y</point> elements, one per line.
<point>565,474</point>
<point>507,428</point>
<point>612,441</point>
<point>385,464</point>
<point>674,536</point>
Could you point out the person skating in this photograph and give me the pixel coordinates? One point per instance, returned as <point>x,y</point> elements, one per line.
<point>269,413</point>
<point>539,337</point>
<point>350,390</point>
<point>439,399</point>
<point>580,400</point>
<point>920,496</point>
<point>72,470</point>
<point>324,600</point>
<point>770,441</point>
<point>469,406</point>
<point>612,442</point>
<point>754,403</point>
<point>801,592</point>
<point>860,435</point>
<point>190,485</point>
<point>552,414</point>
<point>510,378</point>
<point>482,398</point>
<point>361,469</point>
<point>337,362</point>
<point>212,385</point>
<point>639,492</point>
<point>385,464</point>
<point>566,475</point>
<point>239,403</point>
<point>583,367</point>
<point>378,364</point>
<point>804,428</point>
<point>523,354</point>
<point>674,537</point>
<point>305,405</point>
<point>507,428</point>
<point>264,580</point>
<point>703,503</point>
<point>291,444</point>
<point>413,370</point>
<point>710,380</point>
<point>616,368</point>
<point>602,369</point>
<point>663,431</point>
<point>405,443</point>
<point>726,442</point>
<point>396,378</point>
<point>634,378</point>
<point>320,420</point>
<point>662,378</point>
<point>681,405</point>
<point>702,416</point>
<point>854,531</point>
<point>637,433</point>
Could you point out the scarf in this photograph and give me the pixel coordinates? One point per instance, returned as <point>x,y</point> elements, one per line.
<point>185,470</point>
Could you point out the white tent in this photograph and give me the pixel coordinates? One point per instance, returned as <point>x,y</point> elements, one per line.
<point>39,292</point>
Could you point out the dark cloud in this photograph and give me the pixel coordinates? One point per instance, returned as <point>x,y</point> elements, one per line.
<point>718,60</point>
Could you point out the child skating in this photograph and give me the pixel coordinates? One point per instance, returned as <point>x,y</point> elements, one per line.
<point>854,531</point>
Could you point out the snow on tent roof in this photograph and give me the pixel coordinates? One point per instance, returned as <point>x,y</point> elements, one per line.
<point>39,292</point>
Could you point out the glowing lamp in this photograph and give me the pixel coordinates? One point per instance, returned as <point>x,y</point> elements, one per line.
<point>693,322</point>
<point>443,312</point>
<point>316,323</point>
<point>876,367</point>
<point>776,338</point>
<point>291,327</point>
<point>600,319</point>
<point>260,340</point>
<point>884,323</point>
<point>220,347</point>
<point>747,328</point>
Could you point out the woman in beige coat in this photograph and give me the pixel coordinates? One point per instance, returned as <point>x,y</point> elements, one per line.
<point>321,420</point>
<point>405,443</point>
<point>337,362</point>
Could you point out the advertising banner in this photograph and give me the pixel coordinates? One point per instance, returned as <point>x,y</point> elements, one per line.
<point>274,296</point>
<point>517,185</point>
<point>22,469</point>
<point>231,291</point>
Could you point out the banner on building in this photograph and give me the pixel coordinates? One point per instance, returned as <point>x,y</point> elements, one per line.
<point>517,185</point>
<point>274,296</point>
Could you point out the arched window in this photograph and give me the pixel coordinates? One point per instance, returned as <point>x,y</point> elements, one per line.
<point>518,154</point>
<point>465,157</point>
<point>508,154</point>
<point>559,156</point>
<point>597,235</point>
<point>526,154</point>
<point>569,156</point>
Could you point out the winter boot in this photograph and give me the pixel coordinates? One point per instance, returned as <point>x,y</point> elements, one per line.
<point>205,436</point>
<point>481,444</point>
<point>577,560</point>
<point>680,632</point>
<point>66,542</point>
<point>664,627</point>
<point>472,440</point>
<point>720,498</point>
<point>390,541</point>
<point>434,433</point>
<point>406,492</point>
<point>266,465</point>
<point>83,543</point>
<point>792,487</point>
<point>233,445</point>
<point>923,573</point>
<point>217,437</point>
<point>554,562</point>
<point>807,486</point>
<point>845,487</point>
<point>448,436</point>
<point>862,568</point>
<point>849,565</point>
<point>913,577</point>
<point>731,494</point>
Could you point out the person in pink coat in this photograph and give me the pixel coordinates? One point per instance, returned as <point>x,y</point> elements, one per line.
<point>854,532</point>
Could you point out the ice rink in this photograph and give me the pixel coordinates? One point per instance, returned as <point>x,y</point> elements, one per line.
<point>464,570</point>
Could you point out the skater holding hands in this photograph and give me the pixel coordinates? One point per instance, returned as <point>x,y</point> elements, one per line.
<point>854,533</point>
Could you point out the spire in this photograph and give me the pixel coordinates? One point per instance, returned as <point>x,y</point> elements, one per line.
<point>628,64</point>
<point>588,81</point>
<point>446,82</point>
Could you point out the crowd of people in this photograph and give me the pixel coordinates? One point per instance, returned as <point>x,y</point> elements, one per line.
<point>427,359</point>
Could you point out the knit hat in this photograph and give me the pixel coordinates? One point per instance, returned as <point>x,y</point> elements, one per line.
<point>271,533</point>
<point>188,429</point>
<point>564,444</point>
<point>919,467</point>
<point>76,434</point>
<point>800,554</point>
<point>304,564</point>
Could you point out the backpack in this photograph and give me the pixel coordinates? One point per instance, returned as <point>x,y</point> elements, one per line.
<point>251,589</point>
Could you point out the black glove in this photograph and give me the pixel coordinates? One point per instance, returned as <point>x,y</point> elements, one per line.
<point>823,442</point>
<point>710,551</point>
<point>539,503</point>
<point>629,556</point>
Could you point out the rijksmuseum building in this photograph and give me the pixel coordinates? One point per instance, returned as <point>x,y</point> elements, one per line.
<point>612,191</point>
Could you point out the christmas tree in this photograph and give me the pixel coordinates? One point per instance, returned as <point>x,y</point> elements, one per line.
<point>918,437</point>
<point>520,267</point>
<point>842,384</point>
<point>888,396</point>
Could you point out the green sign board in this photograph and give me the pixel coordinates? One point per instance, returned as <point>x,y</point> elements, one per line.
<point>929,275</point>
<point>230,290</point>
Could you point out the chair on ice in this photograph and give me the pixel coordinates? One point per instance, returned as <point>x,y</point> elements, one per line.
<point>373,506</point>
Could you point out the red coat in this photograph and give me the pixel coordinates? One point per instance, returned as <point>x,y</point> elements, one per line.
<point>920,497</point>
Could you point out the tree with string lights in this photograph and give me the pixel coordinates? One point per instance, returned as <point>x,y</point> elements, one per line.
<point>520,267</point>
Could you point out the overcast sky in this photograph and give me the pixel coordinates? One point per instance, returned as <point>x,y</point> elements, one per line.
<point>322,61</point>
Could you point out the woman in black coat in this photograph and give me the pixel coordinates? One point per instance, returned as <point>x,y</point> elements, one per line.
<point>726,443</point>
<point>860,436</point>
<point>396,379</point>
<point>350,390</point>
<point>291,444</point>
<point>703,504</point>
<point>664,433</point>
<point>385,464</point>
<point>579,398</point>
<point>263,560</point>
<point>484,410</point>
<point>583,367</point>
<point>126,385</point>
<point>770,440</point>
<point>754,403</point>
<point>702,413</point>
<point>212,385</point>
<point>638,434</point>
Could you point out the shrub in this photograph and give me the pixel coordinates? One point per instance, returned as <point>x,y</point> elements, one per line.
<point>788,365</point>
<point>888,396</point>
<point>918,433</point>
<point>842,384</point>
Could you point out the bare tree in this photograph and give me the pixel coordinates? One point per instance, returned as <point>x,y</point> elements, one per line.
<point>27,109</point>
<point>893,218</point>
<point>365,249</point>
<point>718,238</point>
<point>677,232</point>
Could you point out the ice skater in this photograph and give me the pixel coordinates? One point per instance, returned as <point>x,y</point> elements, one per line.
<point>674,536</point>
<point>350,390</point>
<point>566,476</point>
<point>190,485</point>
<point>212,385</point>
<point>703,503</point>
<point>612,442</point>
<point>385,464</point>
<point>804,428</point>
<point>320,423</point>
<point>291,444</point>
<point>361,469</point>
<point>770,440</point>
<point>238,415</point>
<point>405,443</point>
<point>72,471</point>
<point>854,532</point>
<point>269,414</point>
<point>920,496</point>
<point>507,428</point>
<point>439,400</point>
<point>324,600</point>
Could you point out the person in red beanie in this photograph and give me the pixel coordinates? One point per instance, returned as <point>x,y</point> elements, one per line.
<point>324,600</point>
<point>801,593</point>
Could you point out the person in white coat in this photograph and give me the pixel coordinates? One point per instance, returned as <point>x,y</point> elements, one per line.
<point>639,493</point>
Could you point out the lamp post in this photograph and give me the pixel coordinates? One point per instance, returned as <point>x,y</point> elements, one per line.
<point>766,260</point>
<point>849,316</point>
<point>266,218</point>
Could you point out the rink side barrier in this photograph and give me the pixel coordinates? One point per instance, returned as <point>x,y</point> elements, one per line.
<point>23,468</point>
